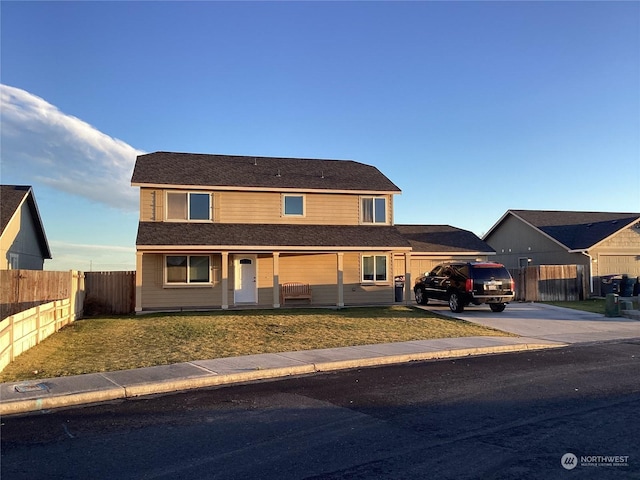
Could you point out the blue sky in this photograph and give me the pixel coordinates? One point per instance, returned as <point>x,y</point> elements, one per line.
<point>471,108</point>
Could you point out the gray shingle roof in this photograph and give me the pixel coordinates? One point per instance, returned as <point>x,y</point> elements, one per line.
<point>238,235</point>
<point>577,230</point>
<point>442,238</point>
<point>167,168</point>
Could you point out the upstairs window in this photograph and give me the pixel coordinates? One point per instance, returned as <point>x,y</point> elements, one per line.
<point>374,210</point>
<point>188,206</point>
<point>293,205</point>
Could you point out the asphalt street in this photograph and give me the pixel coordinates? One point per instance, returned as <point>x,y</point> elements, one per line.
<point>503,416</point>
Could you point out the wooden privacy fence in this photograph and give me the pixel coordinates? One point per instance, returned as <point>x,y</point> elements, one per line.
<point>23,289</point>
<point>29,316</point>
<point>110,293</point>
<point>20,332</point>
<point>550,283</point>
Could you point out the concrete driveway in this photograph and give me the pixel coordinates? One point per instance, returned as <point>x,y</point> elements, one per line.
<point>546,322</point>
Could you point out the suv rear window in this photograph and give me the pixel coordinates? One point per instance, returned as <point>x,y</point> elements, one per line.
<point>487,273</point>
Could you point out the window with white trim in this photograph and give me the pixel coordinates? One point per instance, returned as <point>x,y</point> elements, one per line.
<point>187,269</point>
<point>374,209</point>
<point>189,206</point>
<point>374,268</point>
<point>293,205</point>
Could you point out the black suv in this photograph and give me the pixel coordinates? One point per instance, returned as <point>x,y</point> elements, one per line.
<point>461,284</point>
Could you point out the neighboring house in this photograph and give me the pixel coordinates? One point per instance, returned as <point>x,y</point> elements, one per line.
<point>217,231</point>
<point>434,244</point>
<point>606,243</point>
<point>23,243</point>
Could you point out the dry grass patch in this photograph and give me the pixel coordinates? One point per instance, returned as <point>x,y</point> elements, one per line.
<point>118,343</point>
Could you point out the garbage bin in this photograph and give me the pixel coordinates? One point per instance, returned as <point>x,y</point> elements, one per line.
<point>612,305</point>
<point>610,284</point>
<point>399,283</point>
<point>626,286</point>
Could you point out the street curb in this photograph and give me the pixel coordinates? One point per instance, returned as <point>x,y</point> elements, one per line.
<point>44,403</point>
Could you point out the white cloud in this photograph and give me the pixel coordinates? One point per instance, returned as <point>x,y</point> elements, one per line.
<point>74,256</point>
<point>45,145</point>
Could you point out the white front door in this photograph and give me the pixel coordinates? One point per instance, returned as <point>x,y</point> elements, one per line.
<point>245,288</point>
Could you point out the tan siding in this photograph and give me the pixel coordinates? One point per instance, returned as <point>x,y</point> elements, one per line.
<point>147,200</point>
<point>331,209</point>
<point>264,278</point>
<point>619,254</point>
<point>626,241</point>
<point>320,271</point>
<point>154,295</point>
<point>9,236</point>
<point>357,293</point>
<point>266,207</point>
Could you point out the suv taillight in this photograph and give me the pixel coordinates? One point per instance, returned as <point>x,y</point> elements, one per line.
<point>513,285</point>
<point>468,285</point>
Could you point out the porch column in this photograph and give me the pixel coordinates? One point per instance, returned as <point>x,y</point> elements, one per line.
<point>138,282</point>
<point>340,275</point>
<point>276,279</point>
<point>407,278</point>
<point>224,281</point>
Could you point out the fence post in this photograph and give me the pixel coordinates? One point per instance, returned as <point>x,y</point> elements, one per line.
<point>37,324</point>
<point>11,338</point>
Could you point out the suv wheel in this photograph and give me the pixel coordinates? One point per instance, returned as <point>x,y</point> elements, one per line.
<point>421,298</point>
<point>455,303</point>
<point>497,307</point>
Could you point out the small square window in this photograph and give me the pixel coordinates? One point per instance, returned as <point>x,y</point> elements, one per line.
<point>293,205</point>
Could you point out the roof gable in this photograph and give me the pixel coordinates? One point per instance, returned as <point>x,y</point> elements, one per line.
<point>442,238</point>
<point>190,169</point>
<point>574,230</point>
<point>12,197</point>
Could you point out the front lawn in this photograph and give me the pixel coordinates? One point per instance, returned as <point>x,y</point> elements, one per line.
<point>119,343</point>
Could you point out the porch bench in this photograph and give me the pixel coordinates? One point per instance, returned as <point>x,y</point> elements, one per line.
<point>295,291</point>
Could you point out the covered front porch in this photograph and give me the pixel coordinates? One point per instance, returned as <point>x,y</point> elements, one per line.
<point>252,278</point>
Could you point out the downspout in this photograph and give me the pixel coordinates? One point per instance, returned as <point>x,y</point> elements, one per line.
<point>586,253</point>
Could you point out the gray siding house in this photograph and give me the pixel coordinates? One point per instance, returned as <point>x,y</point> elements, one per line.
<point>605,243</point>
<point>23,242</point>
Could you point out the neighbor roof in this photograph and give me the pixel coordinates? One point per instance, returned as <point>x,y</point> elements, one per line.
<point>190,169</point>
<point>574,230</point>
<point>443,239</point>
<point>158,234</point>
<point>11,199</point>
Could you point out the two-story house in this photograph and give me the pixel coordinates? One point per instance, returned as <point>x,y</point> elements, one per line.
<point>217,231</point>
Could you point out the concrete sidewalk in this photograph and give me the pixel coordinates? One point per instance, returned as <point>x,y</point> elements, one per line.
<point>539,326</point>
<point>42,395</point>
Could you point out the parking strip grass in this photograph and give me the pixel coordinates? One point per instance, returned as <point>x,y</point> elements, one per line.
<point>593,305</point>
<point>118,343</point>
